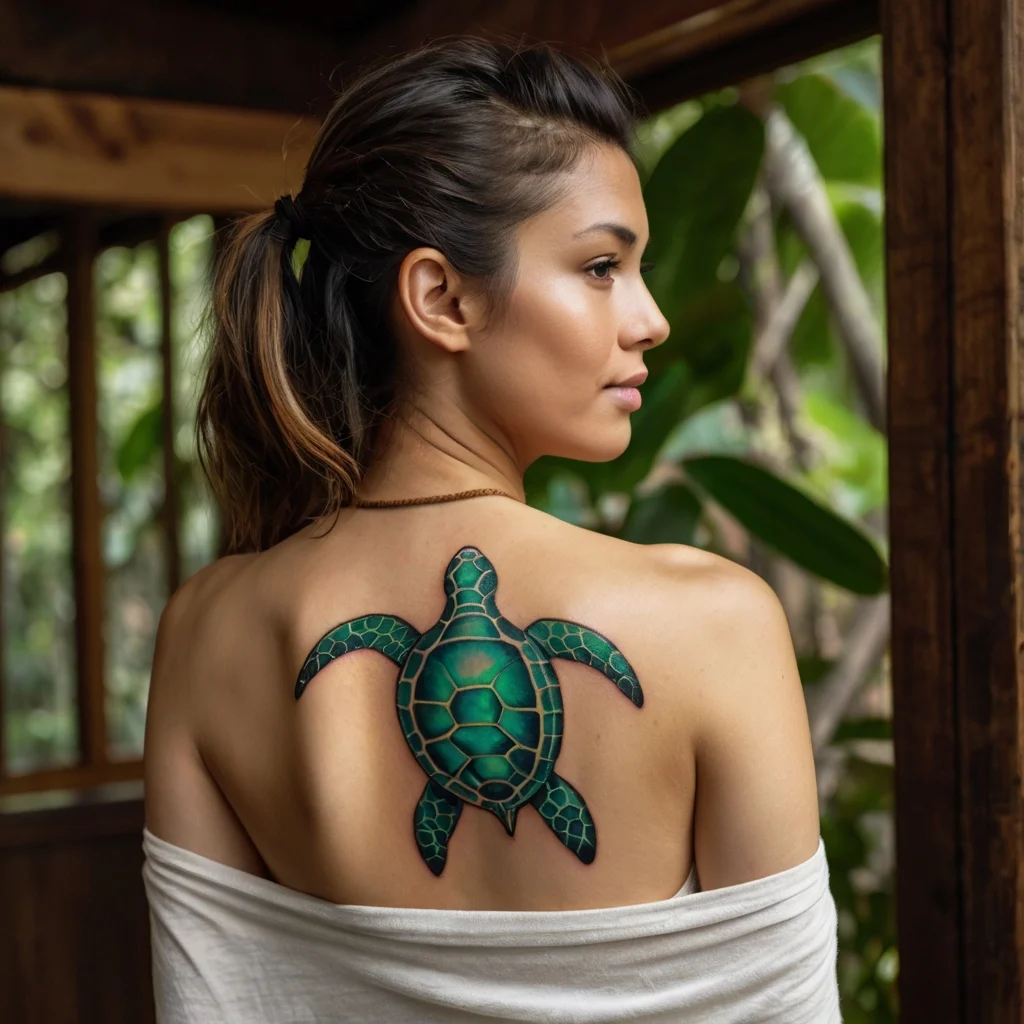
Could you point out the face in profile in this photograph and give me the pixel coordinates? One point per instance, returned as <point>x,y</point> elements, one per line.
<point>579,321</point>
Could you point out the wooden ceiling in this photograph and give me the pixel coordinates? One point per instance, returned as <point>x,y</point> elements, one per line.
<point>279,56</point>
<point>286,61</point>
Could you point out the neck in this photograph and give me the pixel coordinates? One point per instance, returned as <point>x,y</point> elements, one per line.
<point>426,453</point>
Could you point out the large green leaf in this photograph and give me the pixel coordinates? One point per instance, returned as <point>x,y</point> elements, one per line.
<point>863,229</point>
<point>695,198</point>
<point>863,729</point>
<point>843,135</point>
<point>668,516</point>
<point>142,442</point>
<point>655,134</point>
<point>791,522</point>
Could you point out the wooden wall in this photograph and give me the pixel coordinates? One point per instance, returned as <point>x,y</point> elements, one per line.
<point>74,924</point>
<point>954,122</point>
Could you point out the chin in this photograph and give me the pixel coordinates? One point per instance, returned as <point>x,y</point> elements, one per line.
<point>600,444</point>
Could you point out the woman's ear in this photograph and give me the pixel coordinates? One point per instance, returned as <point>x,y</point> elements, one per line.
<point>433,298</point>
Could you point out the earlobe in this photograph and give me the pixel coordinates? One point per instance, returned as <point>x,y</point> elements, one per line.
<point>430,294</point>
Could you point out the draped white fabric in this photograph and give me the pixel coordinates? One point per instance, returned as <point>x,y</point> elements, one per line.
<point>232,948</point>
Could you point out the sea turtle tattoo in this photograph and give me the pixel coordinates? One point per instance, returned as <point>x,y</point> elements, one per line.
<point>481,707</point>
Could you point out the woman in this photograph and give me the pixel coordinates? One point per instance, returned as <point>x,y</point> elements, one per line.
<point>417,751</point>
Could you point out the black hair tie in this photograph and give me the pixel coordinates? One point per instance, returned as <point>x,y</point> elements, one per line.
<point>292,219</point>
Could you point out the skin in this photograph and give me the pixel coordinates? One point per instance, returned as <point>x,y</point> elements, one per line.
<point>716,770</point>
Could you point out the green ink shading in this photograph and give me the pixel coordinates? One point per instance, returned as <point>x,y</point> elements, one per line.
<point>480,706</point>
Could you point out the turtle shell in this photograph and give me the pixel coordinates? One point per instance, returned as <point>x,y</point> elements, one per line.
<point>481,710</point>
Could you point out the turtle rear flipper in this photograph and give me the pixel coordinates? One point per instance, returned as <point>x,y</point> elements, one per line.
<point>389,634</point>
<point>433,824</point>
<point>562,807</point>
<point>559,638</point>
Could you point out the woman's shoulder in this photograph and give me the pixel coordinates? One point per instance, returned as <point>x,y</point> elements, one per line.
<point>664,579</point>
<point>714,639</point>
<point>215,622</point>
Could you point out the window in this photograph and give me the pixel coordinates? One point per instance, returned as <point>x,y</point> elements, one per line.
<point>103,507</point>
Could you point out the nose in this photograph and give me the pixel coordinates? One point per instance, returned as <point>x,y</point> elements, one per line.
<point>658,328</point>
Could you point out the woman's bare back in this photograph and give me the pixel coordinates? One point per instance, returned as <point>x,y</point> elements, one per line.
<point>319,793</point>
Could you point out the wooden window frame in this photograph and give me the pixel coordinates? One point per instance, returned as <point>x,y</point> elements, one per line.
<point>80,244</point>
<point>119,171</point>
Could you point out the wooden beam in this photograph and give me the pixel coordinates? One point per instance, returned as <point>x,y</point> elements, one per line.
<point>146,154</point>
<point>127,231</point>
<point>749,44</point>
<point>954,121</point>
<point>174,51</point>
<point>636,38</point>
<point>715,27</point>
<point>86,506</point>
<point>668,49</point>
<point>73,777</point>
<point>71,815</point>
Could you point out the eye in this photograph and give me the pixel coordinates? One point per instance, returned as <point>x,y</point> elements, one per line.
<point>607,265</point>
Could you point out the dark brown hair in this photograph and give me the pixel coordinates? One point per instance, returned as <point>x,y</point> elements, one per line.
<point>450,145</point>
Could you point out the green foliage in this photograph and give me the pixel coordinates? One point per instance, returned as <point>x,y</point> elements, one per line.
<point>695,199</point>
<point>855,827</point>
<point>668,516</point>
<point>791,522</point>
<point>844,137</point>
<point>142,443</point>
<point>38,602</point>
<point>854,472</point>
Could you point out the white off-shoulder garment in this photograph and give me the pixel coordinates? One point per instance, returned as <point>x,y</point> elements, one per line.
<point>231,948</point>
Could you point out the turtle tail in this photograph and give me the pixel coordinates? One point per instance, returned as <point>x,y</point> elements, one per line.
<point>507,816</point>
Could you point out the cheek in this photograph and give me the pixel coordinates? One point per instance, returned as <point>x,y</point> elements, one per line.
<point>559,342</point>
<point>539,377</point>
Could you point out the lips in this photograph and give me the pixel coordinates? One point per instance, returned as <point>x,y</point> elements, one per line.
<point>630,382</point>
<point>625,393</point>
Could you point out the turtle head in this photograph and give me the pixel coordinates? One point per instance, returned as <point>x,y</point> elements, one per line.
<point>470,577</point>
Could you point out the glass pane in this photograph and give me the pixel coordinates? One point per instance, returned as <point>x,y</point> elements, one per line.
<point>131,482</point>
<point>191,263</point>
<point>35,483</point>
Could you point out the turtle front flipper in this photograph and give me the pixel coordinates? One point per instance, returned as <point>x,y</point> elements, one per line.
<point>388,634</point>
<point>434,822</point>
<point>559,638</point>
<point>562,807</point>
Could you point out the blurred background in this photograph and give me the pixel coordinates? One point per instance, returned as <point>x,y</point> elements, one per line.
<point>762,436</point>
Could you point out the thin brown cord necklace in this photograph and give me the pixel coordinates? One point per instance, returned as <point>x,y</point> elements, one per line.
<point>432,499</point>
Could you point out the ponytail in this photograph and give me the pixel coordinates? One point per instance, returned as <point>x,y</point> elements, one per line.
<point>266,436</point>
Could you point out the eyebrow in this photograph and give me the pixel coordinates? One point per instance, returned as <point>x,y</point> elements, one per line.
<point>627,236</point>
